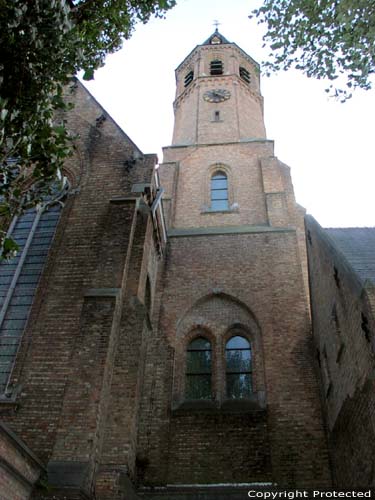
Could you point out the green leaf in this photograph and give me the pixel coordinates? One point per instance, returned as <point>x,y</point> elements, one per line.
<point>88,74</point>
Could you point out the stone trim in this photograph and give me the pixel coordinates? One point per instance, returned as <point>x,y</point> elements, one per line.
<point>242,141</point>
<point>14,473</point>
<point>212,231</point>
<point>16,441</point>
<point>102,292</point>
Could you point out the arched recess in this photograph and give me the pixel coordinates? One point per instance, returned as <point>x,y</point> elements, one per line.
<point>217,317</point>
<point>33,231</point>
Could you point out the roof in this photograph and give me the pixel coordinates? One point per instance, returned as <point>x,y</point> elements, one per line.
<point>358,246</point>
<point>215,38</point>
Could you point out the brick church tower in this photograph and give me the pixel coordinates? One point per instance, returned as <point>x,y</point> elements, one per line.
<point>155,337</point>
<point>230,393</point>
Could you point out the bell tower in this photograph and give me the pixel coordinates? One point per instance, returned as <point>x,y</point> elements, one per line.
<point>218,95</point>
<point>219,129</point>
<point>230,392</point>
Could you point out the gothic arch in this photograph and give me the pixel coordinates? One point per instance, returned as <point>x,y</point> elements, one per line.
<point>34,231</point>
<point>217,316</point>
<point>194,315</point>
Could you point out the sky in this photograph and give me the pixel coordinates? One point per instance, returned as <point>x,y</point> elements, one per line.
<point>327,144</point>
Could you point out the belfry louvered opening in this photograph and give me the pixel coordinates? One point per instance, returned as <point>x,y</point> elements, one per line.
<point>189,78</point>
<point>33,231</point>
<point>244,74</point>
<point>216,67</point>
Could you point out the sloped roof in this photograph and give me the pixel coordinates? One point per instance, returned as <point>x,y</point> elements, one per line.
<point>358,246</point>
<point>215,35</point>
<point>211,41</point>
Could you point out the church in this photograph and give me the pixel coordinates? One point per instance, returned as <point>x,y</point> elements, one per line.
<point>183,331</point>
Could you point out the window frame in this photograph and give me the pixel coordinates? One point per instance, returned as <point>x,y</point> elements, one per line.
<point>233,335</point>
<point>215,202</point>
<point>34,217</point>
<point>196,335</point>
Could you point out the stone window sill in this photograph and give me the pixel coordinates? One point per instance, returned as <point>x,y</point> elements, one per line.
<point>206,210</point>
<point>251,405</point>
<point>8,404</point>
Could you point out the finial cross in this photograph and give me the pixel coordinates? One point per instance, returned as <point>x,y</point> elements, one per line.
<point>216,24</point>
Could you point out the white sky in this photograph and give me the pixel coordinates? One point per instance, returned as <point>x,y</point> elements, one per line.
<point>328,145</point>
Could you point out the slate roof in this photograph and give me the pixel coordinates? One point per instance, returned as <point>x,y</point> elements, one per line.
<point>215,34</point>
<point>358,246</point>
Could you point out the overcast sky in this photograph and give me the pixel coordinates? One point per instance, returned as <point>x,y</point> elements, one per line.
<point>328,145</point>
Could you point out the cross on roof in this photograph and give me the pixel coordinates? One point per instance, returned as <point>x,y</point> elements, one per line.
<point>216,24</point>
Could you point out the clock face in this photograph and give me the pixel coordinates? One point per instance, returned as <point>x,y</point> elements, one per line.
<point>217,95</point>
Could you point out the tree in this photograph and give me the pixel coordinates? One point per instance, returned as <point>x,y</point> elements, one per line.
<point>44,43</point>
<point>332,39</point>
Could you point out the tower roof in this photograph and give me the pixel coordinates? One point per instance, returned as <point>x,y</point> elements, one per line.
<point>215,39</point>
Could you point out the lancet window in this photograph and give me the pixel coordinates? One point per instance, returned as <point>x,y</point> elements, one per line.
<point>219,191</point>
<point>238,368</point>
<point>198,369</point>
<point>33,231</point>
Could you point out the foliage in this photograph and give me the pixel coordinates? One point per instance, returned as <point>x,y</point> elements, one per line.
<point>43,43</point>
<point>331,39</point>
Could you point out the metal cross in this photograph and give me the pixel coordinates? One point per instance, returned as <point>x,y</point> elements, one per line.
<point>216,24</point>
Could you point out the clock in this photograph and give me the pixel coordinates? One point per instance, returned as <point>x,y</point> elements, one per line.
<point>216,95</point>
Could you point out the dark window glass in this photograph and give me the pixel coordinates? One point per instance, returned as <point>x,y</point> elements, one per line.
<point>189,78</point>
<point>244,74</point>
<point>216,67</point>
<point>198,369</point>
<point>33,231</point>
<point>148,295</point>
<point>219,191</point>
<point>238,368</point>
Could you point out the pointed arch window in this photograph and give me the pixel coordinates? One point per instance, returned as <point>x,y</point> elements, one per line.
<point>219,191</point>
<point>216,67</point>
<point>198,369</point>
<point>33,231</point>
<point>238,358</point>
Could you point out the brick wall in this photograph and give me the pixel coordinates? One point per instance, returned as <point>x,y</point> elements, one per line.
<point>241,117</point>
<point>345,358</point>
<point>283,440</point>
<point>66,373</point>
